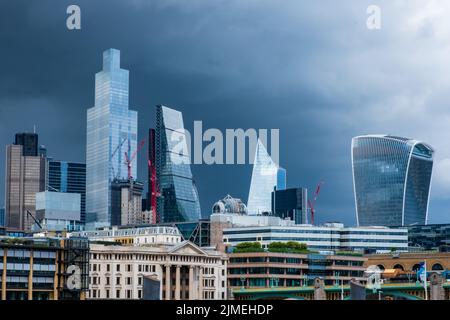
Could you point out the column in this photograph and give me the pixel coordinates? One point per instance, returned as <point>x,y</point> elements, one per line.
<point>168,290</point>
<point>5,253</point>
<point>56,278</point>
<point>191,283</point>
<point>177,283</point>
<point>200,283</point>
<point>30,277</point>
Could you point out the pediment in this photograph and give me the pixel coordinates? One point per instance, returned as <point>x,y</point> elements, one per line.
<point>187,248</point>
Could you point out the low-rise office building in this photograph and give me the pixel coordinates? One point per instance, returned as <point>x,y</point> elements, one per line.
<point>279,269</point>
<point>330,237</point>
<point>43,268</point>
<point>184,271</point>
<point>429,237</point>
<point>57,211</point>
<point>229,220</point>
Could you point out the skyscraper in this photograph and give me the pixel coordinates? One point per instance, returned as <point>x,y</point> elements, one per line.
<point>111,131</point>
<point>126,202</point>
<point>265,176</point>
<point>392,179</point>
<point>25,176</point>
<point>29,142</point>
<point>2,217</point>
<point>68,177</point>
<point>291,203</point>
<point>178,200</point>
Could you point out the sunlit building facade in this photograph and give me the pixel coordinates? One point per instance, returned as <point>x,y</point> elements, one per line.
<point>392,179</point>
<point>178,200</point>
<point>111,131</point>
<point>266,176</point>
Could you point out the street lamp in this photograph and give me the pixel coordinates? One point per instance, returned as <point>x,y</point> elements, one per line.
<point>242,283</point>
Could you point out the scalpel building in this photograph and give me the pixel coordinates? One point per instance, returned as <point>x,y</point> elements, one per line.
<point>392,179</point>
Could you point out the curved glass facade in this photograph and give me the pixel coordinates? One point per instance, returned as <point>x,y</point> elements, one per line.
<point>391,177</point>
<point>179,200</point>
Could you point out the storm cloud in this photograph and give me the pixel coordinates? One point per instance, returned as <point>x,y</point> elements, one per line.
<point>310,68</point>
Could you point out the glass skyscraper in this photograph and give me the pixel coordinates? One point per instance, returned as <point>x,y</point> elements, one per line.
<point>178,200</point>
<point>266,176</point>
<point>392,179</point>
<point>111,131</point>
<point>68,177</point>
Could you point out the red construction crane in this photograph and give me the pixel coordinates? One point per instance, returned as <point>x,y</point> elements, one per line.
<point>312,204</point>
<point>129,160</point>
<point>154,190</point>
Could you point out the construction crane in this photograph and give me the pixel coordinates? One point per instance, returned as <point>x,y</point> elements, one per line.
<point>154,190</point>
<point>114,153</point>
<point>154,193</point>
<point>129,160</point>
<point>312,203</point>
<point>34,219</point>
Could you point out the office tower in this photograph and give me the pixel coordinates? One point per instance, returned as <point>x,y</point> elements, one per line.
<point>291,203</point>
<point>57,211</point>
<point>178,200</point>
<point>150,203</point>
<point>111,131</point>
<point>29,142</point>
<point>25,176</point>
<point>2,217</point>
<point>68,177</point>
<point>391,180</point>
<point>43,151</point>
<point>265,176</point>
<point>126,202</point>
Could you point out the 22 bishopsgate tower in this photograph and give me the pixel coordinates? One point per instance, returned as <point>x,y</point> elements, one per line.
<point>111,131</point>
<point>392,178</point>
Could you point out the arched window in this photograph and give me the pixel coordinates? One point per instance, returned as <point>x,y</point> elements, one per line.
<point>381,267</point>
<point>437,267</point>
<point>399,266</point>
<point>416,267</point>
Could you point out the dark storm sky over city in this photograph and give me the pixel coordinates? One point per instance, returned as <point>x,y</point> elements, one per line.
<point>310,68</point>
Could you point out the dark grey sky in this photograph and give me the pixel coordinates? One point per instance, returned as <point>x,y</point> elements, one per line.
<point>310,68</point>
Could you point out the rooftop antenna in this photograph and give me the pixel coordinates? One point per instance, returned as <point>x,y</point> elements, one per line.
<point>34,128</point>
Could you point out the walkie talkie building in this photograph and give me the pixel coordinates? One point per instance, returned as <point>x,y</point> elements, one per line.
<point>391,180</point>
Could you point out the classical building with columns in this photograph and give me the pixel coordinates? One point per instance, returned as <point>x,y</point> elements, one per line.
<point>184,271</point>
